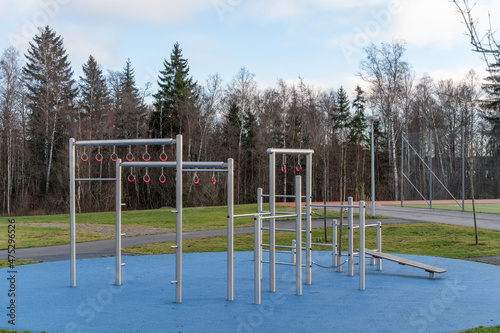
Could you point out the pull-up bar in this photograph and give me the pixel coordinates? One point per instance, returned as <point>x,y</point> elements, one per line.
<point>286,151</point>
<point>186,164</point>
<point>132,142</point>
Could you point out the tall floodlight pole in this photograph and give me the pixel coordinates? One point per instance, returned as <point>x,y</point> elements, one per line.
<point>373,119</point>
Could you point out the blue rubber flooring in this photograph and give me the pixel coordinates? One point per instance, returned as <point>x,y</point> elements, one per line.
<point>396,299</point>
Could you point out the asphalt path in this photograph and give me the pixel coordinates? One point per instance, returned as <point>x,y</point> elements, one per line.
<point>398,215</point>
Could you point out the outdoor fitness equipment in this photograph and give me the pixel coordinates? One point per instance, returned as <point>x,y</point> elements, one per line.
<point>180,167</point>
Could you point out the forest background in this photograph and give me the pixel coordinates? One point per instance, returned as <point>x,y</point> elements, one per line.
<point>42,105</point>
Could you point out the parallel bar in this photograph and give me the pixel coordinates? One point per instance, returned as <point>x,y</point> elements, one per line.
<point>282,151</point>
<point>131,142</point>
<point>298,236</point>
<point>72,222</point>
<point>118,225</point>
<point>178,221</point>
<point>230,231</point>
<point>187,164</point>
<point>257,260</point>
<point>350,238</point>
<point>272,210</point>
<point>361,245</point>
<point>95,179</point>
<point>308,217</point>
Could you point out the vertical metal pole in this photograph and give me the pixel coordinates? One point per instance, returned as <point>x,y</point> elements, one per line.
<point>350,237</point>
<point>294,251</point>
<point>260,209</point>
<point>308,218</point>
<point>118,223</point>
<point>430,169</point>
<point>298,235</point>
<point>463,168</point>
<point>259,200</point>
<point>257,259</point>
<point>379,244</point>
<point>334,244</point>
<point>178,221</point>
<point>272,211</point>
<point>230,230</point>
<point>402,166</point>
<point>361,245</point>
<point>373,175</point>
<point>72,222</point>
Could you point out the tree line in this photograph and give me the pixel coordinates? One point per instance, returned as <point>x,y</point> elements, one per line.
<point>43,105</point>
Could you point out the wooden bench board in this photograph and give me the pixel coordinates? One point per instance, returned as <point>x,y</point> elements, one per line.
<point>402,261</point>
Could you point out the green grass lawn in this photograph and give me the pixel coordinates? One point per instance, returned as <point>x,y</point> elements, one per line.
<point>432,239</point>
<point>32,231</point>
<point>492,208</point>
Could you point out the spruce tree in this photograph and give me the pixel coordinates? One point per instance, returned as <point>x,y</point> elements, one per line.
<point>94,99</point>
<point>130,108</point>
<point>48,79</point>
<point>176,97</point>
<point>358,123</point>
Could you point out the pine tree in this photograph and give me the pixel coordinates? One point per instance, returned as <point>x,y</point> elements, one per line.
<point>94,98</point>
<point>48,79</point>
<point>176,97</point>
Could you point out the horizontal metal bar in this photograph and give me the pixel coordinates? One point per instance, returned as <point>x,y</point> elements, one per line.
<point>282,196</point>
<point>319,244</point>
<point>131,142</point>
<point>281,246</point>
<point>334,206</point>
<point>286,151</point>
<point>279,216</point>
<point>250,214</point>
<point>280,229</point>
<point>282,263</point>
<point>95,179</point>
<point>204,170</point>
<point>185,164</point>
<point>287,252</point>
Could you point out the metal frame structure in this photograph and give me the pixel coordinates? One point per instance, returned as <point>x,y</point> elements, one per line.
<point>72,180</point>
<point>432,175</point>
<point>180,167</point>
<point>296,251</point>
<point>272,152</point>
<point>337,260</point>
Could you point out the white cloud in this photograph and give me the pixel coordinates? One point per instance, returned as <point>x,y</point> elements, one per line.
<point>163,12</point>
<point>428,22</point>
<point>85,42</point>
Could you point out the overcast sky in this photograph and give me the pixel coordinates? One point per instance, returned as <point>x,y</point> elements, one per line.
<point>321,41</point>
